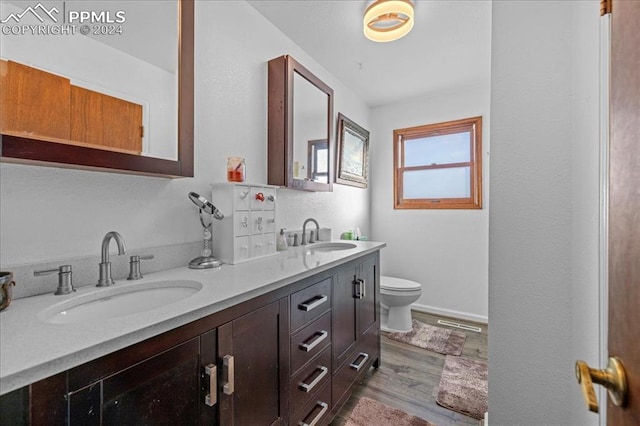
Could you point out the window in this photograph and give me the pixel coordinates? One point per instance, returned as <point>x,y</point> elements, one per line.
<point>318,160</point>
<point>439,166</point>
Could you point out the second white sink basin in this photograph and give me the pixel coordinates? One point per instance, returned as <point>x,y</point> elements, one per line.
<point>118,301</point>
<point>331,246</point>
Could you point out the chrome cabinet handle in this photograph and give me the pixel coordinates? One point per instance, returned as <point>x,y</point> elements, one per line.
<point>360,289</point>
<point>313,303</point>
<point>317,418</point>
<point>357,367</point>
<point>228,374</point>
<point>308,386</point>
<point>309,346</point>
<point>211,398</point>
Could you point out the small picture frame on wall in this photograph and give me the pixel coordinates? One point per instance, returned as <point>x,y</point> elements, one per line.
<point>352,153</point>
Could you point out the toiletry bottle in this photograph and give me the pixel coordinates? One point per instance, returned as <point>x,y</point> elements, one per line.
<point>281,244</point>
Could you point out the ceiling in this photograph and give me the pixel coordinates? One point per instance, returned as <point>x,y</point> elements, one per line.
<point>448,49</point>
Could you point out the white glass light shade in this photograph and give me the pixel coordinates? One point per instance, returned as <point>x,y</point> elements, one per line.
<point>388,20</point>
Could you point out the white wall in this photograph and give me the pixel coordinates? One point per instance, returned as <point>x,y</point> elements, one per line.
<point>543,219</point>
<point>444,250</point>
<point>49,214</point>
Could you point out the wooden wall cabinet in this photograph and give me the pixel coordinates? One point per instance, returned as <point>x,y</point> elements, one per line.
<point>36,103</point>
<point>300,116</point>
<point>287,357</point>
<point>33,101</point>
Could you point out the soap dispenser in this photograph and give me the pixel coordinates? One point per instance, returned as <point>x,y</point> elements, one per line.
<point>281,244</point>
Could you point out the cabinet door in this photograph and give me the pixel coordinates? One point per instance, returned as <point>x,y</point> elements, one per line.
<point>367,304</point>
<point>344,315</point>
<point>164,389</point>
<point>249,368</point>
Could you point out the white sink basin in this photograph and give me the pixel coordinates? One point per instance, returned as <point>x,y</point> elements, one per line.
<point>117,301</point>
<point>331,246</point>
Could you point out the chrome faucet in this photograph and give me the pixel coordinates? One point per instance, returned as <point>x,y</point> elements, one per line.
<point>105,279</point>
<point>304,232</point>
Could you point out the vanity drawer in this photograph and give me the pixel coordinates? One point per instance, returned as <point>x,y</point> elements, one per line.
<point>310,341</point>
<point>316,411</point>
<point>309,303</point>
<point>310,379</point>
<point>358,362</point>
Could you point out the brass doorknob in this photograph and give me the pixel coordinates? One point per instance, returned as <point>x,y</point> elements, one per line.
<point>613,378</point>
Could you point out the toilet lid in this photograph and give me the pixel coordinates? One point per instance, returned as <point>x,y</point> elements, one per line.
<point>398,284</point>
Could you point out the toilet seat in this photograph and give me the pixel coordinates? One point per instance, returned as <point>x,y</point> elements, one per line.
<point>398,285</point>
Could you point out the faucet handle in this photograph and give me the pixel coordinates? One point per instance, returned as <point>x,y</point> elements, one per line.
<point>134,266</point>
<point>65,278</point>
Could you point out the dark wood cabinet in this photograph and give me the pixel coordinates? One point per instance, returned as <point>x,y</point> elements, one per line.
<point>356,325</point>
<point>289,356</point>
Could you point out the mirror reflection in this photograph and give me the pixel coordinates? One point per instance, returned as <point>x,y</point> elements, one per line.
<point>117,86</point>
<point>310,147</point>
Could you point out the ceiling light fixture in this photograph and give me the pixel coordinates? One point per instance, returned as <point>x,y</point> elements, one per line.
<point>388,20</point>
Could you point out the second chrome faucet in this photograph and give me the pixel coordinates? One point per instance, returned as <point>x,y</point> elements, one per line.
<point>105,279</point>
<point>304,232</point>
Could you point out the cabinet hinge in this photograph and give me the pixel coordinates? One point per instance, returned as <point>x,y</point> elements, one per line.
<point>142,131</point>
<point>605,7</point>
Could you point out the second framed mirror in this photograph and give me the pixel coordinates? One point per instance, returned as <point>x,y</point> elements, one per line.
<point>300,114</point>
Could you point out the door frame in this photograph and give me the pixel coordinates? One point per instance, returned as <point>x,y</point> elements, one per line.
<point>605,61</point>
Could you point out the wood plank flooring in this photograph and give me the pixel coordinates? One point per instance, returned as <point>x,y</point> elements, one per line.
<point>408,376</point>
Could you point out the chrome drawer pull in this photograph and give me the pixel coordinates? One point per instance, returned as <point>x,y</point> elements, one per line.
<point>212,397</point>
<point>227,369</point>
<point>313,303</point>
<point>307,387</point>
<point>317,418</point>
<point>360,289</point>
<point>309,346</point>
<point>357,367</point>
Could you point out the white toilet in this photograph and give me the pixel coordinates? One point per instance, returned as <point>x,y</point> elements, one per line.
<point>396,297</point>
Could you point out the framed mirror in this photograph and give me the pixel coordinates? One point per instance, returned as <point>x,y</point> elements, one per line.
<point>166,113</point>
<point>300,115</point>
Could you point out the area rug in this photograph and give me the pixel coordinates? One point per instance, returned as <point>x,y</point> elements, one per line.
<point>463,386</point>
<point>369,412</point>
<point>436,339</point>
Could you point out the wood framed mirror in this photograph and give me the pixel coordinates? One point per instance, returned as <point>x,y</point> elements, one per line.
<point>300,117</point>
<point>36,150</point>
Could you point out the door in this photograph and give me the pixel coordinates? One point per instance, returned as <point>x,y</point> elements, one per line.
<point>368,313</point>
<point>624,204</point>
<point>623,251</point>
<point>249,368</point>
<point>163,389</point>
<point>344,315</point>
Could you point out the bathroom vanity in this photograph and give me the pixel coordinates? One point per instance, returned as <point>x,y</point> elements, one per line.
<point>279,340</point>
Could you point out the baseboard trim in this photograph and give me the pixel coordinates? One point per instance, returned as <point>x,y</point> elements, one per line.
<point>450,313</point>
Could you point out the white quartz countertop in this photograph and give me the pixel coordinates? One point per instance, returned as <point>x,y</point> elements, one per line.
<point>32,349</point>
